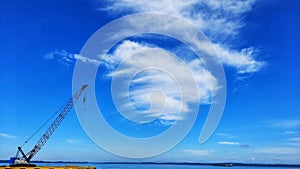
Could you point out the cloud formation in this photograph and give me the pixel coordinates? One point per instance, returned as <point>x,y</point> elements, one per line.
<point>286,124</point>
<point>225,135</point>
<point>198,152</point>
<point>67,58</point>
<point>294,139</point>
<point>61,55</point>
<point>5,135</point>
<point>219,20</point>
<point>144,85</point>
<point>73,141</point>
<point>279,150</point>
<point>228,143</point>
<point>215,17</point>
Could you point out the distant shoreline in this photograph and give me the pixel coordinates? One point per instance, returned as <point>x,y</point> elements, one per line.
<point>168,163</point>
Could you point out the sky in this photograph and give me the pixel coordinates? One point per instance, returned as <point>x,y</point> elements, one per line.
<point>255,41</point>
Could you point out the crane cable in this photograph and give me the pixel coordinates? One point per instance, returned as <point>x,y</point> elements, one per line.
<point>46,122</point>
<point>50,118</point>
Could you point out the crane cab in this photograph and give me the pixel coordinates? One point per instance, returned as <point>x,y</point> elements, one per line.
<point>16,161</point>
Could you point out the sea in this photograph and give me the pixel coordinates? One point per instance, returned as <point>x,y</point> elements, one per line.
<point>166,166</point>
<point>157,166</point>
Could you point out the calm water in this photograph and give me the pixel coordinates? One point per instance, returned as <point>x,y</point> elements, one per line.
<point>155,166</point>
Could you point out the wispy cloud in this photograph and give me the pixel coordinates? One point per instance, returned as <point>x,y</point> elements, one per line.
<point>233,143</point>
<point>60,55</point>
<point>225,135</point>
<point>244,145</point>
<point>154,80</point>
<point>143,86</point>
<point>198,152</point>
<point>279,150</point>
<point>213,16</point>
<point>289,132</point>
<point>73,141</point>
<point>286,124</point>
<point>219,20</point>
<point>5,135</point>
<point>297,144</point>
<point>67,58</point>
<point>242,60</point>
<point>86,59</point>
<point>228,143</point>
<point>294,139</point>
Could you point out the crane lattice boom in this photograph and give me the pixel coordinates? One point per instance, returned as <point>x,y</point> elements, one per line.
<point>45,137</point>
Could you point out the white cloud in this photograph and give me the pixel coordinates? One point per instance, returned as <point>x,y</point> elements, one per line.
<point>216,18</point>
<point>198,152</point>
<point>289,132</point>
<point>61,55</point>
<point>86,59</point>
<point>67,58</point>
<point>5,135</point>
<point>242,60</point>
<point>297,144</point>
<point>225,135</point>
<point>279,150</point>
<point>172,70</point>
<point>294,139</point>
<point>228,143</point>
<point>73,141</point>
<point>287,124</point>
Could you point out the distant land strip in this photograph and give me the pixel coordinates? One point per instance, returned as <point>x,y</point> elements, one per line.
<point>166,163</point>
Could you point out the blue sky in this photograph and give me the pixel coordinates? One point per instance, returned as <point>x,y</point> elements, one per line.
<point>257,42</point>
